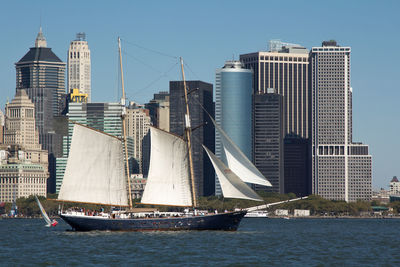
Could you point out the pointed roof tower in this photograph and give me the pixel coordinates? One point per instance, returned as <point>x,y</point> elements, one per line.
<point>40,40</point>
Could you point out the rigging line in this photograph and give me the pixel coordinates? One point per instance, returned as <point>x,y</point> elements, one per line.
<point>197,76</point>
<point>150,50</point>
<point>144,63</point>
<point>159,78</point>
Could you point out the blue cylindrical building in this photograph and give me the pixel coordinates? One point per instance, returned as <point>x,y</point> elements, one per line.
<point>233,96</point>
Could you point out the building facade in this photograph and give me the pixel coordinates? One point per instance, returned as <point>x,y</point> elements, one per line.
<point>394,186</point>
<point>79,66</point>
<point>138,126</point>
<point>296,165</point>
<point>22,180</point>
<point>268,127</point>
<point>201,96</point>
<point>159,110</point>
<point>341,169</point>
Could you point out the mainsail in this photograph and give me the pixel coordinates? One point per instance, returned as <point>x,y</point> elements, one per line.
<point>43,212</point>
<point>95,171</point>
<point>231,185</point>
<point>238,162</point>
<point>168,178</point>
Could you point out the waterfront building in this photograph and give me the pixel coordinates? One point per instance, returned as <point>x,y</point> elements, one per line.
<point>159,110</point>
<point>42,75</point>
<point>268,127</point>
<point>79,66</point>
<point>233,96</point>
<point>341,168</point>
<point>395,186</point>
<point>22,180</point>
<point>138,125</point>
<point>201,96</point>
<point>105,117</point>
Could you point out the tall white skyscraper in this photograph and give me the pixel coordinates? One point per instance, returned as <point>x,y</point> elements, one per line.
<point>341,167</point>
<point>79,66</point>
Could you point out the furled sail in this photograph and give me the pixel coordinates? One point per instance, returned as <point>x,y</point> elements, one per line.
<point>168,178</point>
<point>95,169</point>
<point>238,162</point>
<point>231,185</point>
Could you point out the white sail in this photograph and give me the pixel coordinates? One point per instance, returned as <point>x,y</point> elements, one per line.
<point>43,212</point>
<point>168,178</point>
<point>95,169</point>
<point>238,162</point>
<point>231,185</point>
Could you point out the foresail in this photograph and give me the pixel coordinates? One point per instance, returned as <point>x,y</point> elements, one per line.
<point>231,185</point>
<point>238,162</point>
<point>168,178</point>
<point>95,170</point>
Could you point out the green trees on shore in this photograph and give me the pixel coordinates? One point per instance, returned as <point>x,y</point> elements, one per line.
<point>316,204</point>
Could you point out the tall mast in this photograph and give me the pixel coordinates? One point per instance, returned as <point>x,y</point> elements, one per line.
<point>188,132</point>
<point>123,100</point>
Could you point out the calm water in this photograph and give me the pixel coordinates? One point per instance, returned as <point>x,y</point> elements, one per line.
<point>258,242</point>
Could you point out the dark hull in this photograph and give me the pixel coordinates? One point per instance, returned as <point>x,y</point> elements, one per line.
<point>224,221</point>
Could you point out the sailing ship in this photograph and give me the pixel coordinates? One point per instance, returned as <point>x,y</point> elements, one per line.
<point>46,218</point>
<point>103,180</point>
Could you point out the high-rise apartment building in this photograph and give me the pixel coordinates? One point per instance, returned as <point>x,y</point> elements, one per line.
<point>285,70</point>
<point>233,96</point>
<point>268,127</point>
<point>138,126</point>
<point>341,169</point>
<point>42,75</point>
<point>79,67</point>
<point>201,96</point>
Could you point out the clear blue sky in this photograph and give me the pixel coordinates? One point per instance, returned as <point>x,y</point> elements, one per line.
<point>205,34</point>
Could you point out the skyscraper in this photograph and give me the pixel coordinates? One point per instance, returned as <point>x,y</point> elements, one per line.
<point>285,69</point>
<point>79,67</point>
<point>201,95</point>
<point>233,96</point>
<point>42,75</point>
<point>268,127</point>
<point>341,169</point>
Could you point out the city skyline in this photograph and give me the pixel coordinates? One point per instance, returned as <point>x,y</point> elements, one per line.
<point>363,28</point>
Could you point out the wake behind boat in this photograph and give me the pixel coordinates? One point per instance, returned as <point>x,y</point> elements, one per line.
<point>103,180</point>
